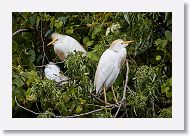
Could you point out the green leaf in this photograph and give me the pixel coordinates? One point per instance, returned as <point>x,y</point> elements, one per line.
<point>18,82</point>
<point>164,43</point>
<point>92,56</point>
<point>32,55</point>
<point>161,44</point>
<point>13,103</point>
<point>28,92</point>
<point>78,109</point>
<point>32,75</point>
<point>73,92</point>
<point>87,42</point>
<point>63,19</point>
<point>158,57</point>
<point>87,20</point>
<point>31,97</point>
<point>119,80</point>
<point>32,20</point>
<point>96,30</point>
<point>82,101</point>
<point>58,24</point>
<point>157,42</point>
<point>52,23</point>
<point>109,96</point>
<point>37,21</point>
<point>168,35</point>
<point>32,66</point>
<point>14,46</point>
<point>69,30</point>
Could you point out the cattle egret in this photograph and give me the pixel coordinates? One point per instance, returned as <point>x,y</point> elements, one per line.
<point>64,44</point>
<point>109,67</point>
<point>52,72</point>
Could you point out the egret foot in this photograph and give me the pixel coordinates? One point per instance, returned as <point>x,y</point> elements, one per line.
<point>114,96</point>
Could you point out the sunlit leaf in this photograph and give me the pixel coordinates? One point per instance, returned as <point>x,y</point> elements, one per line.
<point>96,30</point>
<point>158,57</point>
<point>78,109</point>
<point>168,35</point>
<point>14,46</point>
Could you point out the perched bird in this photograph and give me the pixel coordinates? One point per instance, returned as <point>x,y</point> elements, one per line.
<point>109,67</point>
<point>64,44</point>
<point>52,72</point>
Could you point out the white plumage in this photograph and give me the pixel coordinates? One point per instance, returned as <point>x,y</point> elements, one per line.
<point>64,44</point>
<point>52,72</point>
<point>107,73</point>
<point>109,65</point>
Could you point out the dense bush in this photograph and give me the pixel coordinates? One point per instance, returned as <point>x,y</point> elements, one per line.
<point>149,92</point>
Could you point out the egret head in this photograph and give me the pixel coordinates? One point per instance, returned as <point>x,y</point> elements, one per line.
<point>55,37</point>
<point>119,44</point>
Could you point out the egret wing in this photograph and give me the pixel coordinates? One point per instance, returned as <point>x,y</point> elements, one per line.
<point>104,69</point>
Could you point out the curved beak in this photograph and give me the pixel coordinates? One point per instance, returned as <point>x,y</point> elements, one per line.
<point>53,41</point>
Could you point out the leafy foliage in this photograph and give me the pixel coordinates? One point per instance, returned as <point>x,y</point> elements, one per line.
<point>149,92</point>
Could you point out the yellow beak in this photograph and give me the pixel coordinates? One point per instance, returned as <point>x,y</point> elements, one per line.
<point>128,42</point>
<point>54,40</point>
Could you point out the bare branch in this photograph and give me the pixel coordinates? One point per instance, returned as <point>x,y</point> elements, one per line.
<point>97,98</point>
<point>25,108</point>
<point>53,63</point>
<point>43,46</point>
<point>74,116</point>
<point>36,113</point>
<point>125,89</point>
<point>20,30</point>
<point>90,112</point>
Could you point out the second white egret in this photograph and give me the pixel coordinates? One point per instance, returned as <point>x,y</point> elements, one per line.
<point>64,44</point>
<point>109,67</point>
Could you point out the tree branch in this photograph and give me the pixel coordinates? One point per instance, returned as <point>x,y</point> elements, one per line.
<point>90,112</point>
<point>73,116</point>
<point>125,89</point>
<point>20,30</point>
<point>97,98</point>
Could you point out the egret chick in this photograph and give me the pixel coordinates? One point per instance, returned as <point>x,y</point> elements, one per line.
<point>64,44</point>
<point>53,72</point>
<point>109,67</point>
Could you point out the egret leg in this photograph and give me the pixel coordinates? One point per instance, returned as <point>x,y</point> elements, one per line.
<point>114,96</point>
<point>105,98</point>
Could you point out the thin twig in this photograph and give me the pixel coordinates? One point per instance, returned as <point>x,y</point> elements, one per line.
<point>97,98</point>
<point>74,116</point>
<point>47,64</point>
<point>132,92</point>
<point>37,106</point>
<point>36,113</point>
<point>125,89</point>
<point>90,112</point>
<point>18,31</point>
<point>66,81</point>
<point>43,46</point>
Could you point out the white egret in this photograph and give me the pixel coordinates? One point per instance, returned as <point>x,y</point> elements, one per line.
<point>53,72</point>
<point>109,67</point>
<point>64,44</point>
